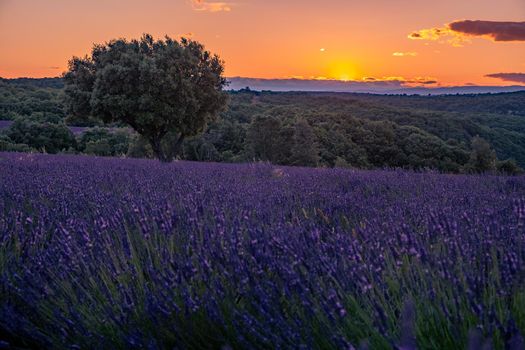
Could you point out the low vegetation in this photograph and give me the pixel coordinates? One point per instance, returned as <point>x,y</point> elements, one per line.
<point>133,254</point>
<point>309,129</point>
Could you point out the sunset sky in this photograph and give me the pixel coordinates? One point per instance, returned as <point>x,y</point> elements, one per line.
<point>410,40</point>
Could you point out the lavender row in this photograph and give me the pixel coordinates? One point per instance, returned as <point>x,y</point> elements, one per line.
<point>114,253</point>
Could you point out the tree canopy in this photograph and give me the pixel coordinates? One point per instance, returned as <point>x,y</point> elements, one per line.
<point>158,87</point>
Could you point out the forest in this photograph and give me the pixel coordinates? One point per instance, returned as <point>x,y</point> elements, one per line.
<point>451,133</point>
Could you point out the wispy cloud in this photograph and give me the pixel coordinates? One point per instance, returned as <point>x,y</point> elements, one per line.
<point>402,81</point>
<point>366,84</point>
<point>513,77</point>
<point>404,54</point>
<point>211,6</point>
<point>444,34</point>
<point>459,32</point>
<point>187,35</point>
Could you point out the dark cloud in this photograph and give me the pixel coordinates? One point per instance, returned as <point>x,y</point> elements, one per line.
<point>498,31</point>
<point>423,82</point>
<point>514,77</point>
<point>459,32</point>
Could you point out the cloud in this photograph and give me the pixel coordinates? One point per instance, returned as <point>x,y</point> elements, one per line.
<point>384,85</point>
<point>458,33</point>
<point>429,34</point>
<point>401,80</point>
<point>497,31</point>
<point>187,35</point>
<point>514,77</point>
<point>444,34</point>
<point>421,81</point>
<point>211,6</point>
<point>366,85</point>
<point>404,54</point>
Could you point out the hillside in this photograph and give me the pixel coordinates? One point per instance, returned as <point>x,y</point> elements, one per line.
<point>361,130</point>
<point>498,118</point>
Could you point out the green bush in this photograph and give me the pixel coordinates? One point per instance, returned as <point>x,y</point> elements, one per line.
<point>46,137</point>
<point>105,142</point>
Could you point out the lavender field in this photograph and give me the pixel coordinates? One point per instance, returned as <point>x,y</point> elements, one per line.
<point>123,254</point>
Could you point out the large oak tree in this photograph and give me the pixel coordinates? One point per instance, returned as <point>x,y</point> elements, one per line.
<point>157,87</point>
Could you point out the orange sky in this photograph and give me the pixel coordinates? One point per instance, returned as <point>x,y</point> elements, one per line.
<point>272,38</point>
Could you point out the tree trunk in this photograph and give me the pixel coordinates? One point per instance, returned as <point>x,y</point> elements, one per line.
<point>178,145</point>
<point>156,146</point>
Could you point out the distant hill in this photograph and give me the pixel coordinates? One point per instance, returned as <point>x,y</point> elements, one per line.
<point>462,90</point>
<point>54,83</point>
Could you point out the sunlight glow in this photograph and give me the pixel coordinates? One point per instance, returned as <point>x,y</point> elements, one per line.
<point>342,70</point>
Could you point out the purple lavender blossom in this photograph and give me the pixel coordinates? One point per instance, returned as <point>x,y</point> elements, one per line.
<point>117,253</point>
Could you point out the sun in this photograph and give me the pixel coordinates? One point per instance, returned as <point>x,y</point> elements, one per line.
<point>342,70</point>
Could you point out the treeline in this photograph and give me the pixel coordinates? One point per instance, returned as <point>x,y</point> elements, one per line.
<point>305,129</point>
<point>330,141</point>
<point>24,96</point>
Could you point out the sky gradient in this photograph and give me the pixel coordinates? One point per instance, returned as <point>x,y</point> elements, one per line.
<point>449,42</point>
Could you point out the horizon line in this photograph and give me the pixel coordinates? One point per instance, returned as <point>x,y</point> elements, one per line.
<point>320,80</point>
